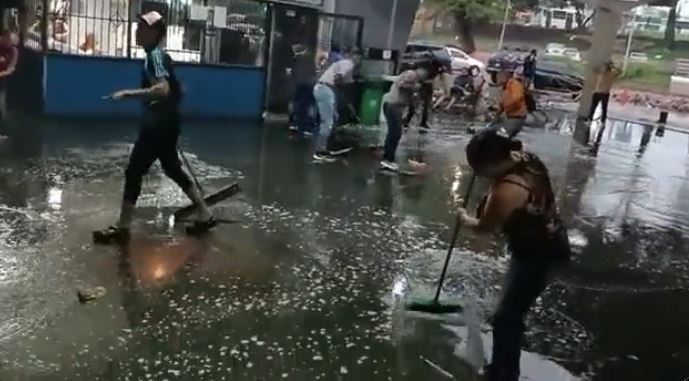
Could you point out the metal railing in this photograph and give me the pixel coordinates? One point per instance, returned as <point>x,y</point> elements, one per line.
<point>222,32</point>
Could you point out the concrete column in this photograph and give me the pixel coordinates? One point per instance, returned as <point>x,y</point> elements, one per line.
<point>605,26</point>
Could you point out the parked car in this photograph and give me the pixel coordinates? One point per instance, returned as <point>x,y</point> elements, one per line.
<point>452,54</point>
<point>505,60</point>
<point>421,52</point>
<point>555,49</point>
<point>461,60</point>
<point>573,54</point>
<point>638,57</point>
<point>550,74</point>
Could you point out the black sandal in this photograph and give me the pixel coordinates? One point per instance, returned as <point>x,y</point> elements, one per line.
<point>199,228</point>
<point>111,235</point>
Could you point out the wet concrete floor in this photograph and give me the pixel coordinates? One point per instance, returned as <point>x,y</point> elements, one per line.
<point>302,286</point>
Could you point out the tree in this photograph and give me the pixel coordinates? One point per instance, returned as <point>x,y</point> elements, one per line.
<point>468,12</point>
<point>670,26</point>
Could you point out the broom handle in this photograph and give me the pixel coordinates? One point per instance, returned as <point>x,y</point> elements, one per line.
<point>455,234</point>
<point>191,171</point>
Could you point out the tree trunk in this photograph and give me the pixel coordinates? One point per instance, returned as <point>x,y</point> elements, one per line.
<point>465,30</point>
<point>670,27</point>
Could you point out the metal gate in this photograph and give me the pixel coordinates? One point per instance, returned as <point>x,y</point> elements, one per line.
<point>318,32</point>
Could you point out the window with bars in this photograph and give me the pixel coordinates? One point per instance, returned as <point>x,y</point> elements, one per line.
<point>210,31</point>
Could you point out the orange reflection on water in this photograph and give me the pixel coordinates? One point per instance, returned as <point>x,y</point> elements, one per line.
<point>156,262</point>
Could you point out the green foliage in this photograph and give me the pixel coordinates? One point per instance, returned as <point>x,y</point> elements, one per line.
<point>473,9</point>
<point>637,71</point>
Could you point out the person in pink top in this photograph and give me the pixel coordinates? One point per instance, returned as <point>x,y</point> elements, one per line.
<point>8,63</point>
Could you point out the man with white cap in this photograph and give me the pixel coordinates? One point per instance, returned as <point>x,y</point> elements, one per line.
<point>161,94</point>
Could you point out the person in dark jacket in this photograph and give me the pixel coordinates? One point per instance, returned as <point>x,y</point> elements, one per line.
<point>530,68</point>
<point>303,105</point>
<point>161,94</point>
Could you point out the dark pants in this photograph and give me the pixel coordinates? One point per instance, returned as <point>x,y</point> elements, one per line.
<point>529,79</point>
<point>157,141</point>
<point>524,282</point>
<point>426,98</point>
<point>602,98</point>
<point>393,115</point>
<point>303,113</point>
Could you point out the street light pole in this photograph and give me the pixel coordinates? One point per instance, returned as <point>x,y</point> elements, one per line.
<point>629,44</point>
<point>504,24</point>
<point>391,27</point>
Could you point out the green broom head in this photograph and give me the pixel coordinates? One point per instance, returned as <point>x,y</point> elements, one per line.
<point>430,306</point>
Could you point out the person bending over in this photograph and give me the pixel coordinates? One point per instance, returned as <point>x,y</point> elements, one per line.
<point>435,66</point>
<point>512,103</point>
<point>394,103</point>
<point>520,203</point>
<point>338,74</point>
<point>157,140</point>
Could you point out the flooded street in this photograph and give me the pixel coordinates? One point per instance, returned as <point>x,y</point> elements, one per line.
<point>306,283</point>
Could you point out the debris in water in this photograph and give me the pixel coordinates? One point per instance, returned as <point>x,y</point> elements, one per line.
<point>90,293</point>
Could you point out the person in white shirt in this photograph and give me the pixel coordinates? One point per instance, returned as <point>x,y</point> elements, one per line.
<point>339,73</point>
<point>394,102</point>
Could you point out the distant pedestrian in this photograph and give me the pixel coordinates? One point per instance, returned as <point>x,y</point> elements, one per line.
<point>8,64</point>
<point>303,75</point>
<point>530,68</point>
<point>606,76</point>
<point>337,75</point>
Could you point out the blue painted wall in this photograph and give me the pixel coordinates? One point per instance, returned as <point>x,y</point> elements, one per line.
<point>75,86</point>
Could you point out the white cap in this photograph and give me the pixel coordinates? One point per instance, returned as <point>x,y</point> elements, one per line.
<point>151,17</point>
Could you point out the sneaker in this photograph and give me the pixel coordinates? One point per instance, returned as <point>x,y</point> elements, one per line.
<point>293,128</point>
<point>308,133</point>
<point>341,151</point>
<point>324,157</point>
<point>111,235</point>
<point>389,166</point>
<point>199,228</point>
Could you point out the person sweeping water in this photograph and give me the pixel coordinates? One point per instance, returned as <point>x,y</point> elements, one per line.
<point>520,202</point>
<point>395,102</point>
<point>161,95</point>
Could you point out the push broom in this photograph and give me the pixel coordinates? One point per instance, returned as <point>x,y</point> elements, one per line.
<point>212,199</point>
<point>435,306</point>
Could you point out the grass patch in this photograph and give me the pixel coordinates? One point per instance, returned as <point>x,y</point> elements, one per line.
<point>646,76</point>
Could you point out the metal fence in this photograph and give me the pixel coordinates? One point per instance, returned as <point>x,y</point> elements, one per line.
<point>200,31</point>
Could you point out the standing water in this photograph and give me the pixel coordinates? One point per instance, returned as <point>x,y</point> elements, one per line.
<point>308,283</point>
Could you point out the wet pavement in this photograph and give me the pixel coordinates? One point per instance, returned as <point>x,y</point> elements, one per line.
<point>305,285</point>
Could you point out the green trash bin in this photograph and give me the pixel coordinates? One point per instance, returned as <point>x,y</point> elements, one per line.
<point>371,101</point>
